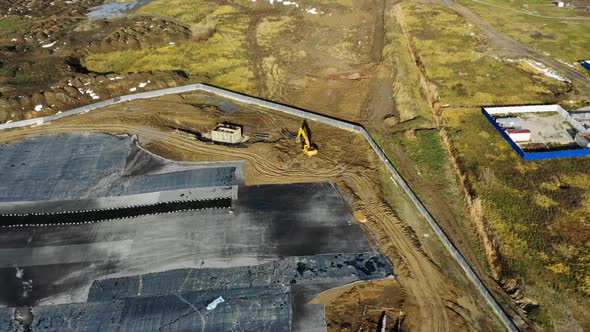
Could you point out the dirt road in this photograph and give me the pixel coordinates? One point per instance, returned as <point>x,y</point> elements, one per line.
<point>500,44</point>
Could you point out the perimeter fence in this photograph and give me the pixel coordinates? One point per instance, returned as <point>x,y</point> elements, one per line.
<point>470,273</point>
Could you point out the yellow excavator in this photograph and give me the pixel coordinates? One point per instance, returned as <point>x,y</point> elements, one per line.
<point>303,135</point>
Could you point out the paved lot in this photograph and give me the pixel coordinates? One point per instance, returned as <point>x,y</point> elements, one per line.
<point>548,128</point>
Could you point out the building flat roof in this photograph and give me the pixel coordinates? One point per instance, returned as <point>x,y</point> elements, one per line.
<point>518,131</point>
<point>513,119</point>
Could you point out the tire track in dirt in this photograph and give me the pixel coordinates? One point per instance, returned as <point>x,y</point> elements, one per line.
<point>255,56</point>
<point>427,288</point>
<point>424,282</point>
<point>503,44</point>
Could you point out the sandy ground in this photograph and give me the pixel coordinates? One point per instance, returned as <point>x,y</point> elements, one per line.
<point>435,297</point>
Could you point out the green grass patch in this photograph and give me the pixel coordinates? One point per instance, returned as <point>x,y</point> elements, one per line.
<point>11,25</point>
<point>448,45</point>
<point>187,11</point>
<point>564,39</point>
<point>410,103</point>
<point>220,60</point>
<point>538,209</point>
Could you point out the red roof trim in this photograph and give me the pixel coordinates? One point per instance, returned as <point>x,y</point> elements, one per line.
<point>518,131</point>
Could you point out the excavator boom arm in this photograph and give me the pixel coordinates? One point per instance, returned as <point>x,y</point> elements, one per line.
<point>303,134</point>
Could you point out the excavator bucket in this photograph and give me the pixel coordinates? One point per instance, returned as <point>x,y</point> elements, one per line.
<point>310,151</point>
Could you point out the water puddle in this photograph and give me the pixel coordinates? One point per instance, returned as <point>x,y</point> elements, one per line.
<point>114,9</point>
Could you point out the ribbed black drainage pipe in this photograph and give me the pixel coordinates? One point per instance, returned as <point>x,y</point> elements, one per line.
<point>89,216</point>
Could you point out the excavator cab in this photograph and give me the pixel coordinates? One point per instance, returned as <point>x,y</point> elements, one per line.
<point>303,135</point>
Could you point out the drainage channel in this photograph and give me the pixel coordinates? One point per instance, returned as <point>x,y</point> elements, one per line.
<point>91,216</point>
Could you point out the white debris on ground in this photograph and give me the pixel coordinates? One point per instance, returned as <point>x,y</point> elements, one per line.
<point>115,78</point>
<point>48,45</point>
<point>426,235</point>
<point>571,65</point>
<point>546,71</point>
<point>38,108</point>
<point>92,94</point>
<point>539,67</point>
<point>308,10</point>
<point>214,304</point>
<point>141,85</point>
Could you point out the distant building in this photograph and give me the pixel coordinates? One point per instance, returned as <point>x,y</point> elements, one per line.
<point>583,139</point>
<point>227,133</point>
<point>519,135</point>
<point>509,122</point>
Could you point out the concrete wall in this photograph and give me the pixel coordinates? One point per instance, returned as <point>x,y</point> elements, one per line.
<point>522,109</point>
<point>489,111</point>
<point>226,135</point>
<point>573,121</point>
<point>315,117</point>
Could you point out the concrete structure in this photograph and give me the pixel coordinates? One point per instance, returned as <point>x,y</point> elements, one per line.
<point>509,122</point>
<point>567,123</point>
<point>583,139</point>
<point>519,135</point>
<point>227,133</point>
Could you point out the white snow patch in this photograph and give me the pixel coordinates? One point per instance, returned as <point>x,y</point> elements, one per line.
<point>539,67</point>
<point>546,71</point>
<point>216,302</point>
<point>567,64</point>
<point>92,94</point>
<point>48,45</point>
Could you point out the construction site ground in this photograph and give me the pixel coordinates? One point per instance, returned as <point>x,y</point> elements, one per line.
<point>388,65</point>
<point>268,250</point>
<point>434,294</point>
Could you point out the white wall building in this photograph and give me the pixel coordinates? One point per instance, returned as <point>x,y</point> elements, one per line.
<point>519,135</point>
<point>226,133</point>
